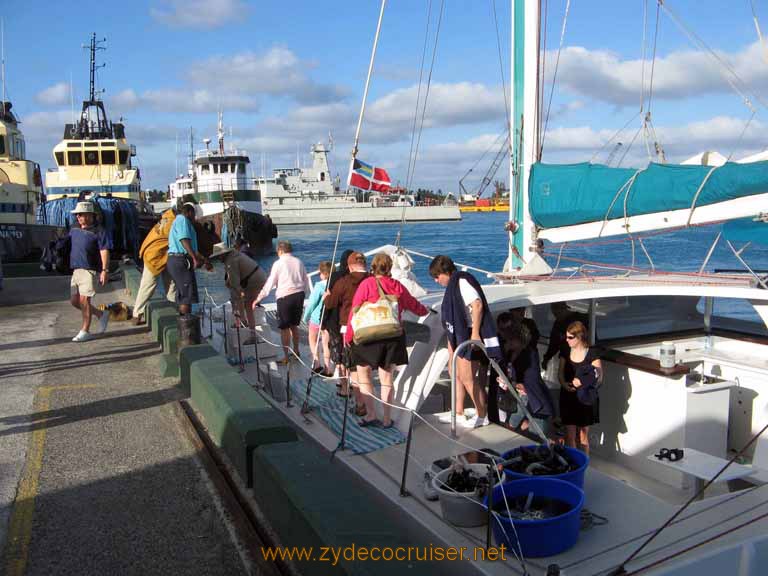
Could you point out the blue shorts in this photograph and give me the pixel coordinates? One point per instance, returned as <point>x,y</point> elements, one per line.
<point>181,270</point>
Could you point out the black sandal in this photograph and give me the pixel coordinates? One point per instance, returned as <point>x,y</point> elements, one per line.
<point>366,423</point>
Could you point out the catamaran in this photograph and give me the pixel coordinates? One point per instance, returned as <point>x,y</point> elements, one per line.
<point>701,513</point>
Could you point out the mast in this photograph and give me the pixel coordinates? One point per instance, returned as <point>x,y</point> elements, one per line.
<point>220,132</point>
<point>524,112</point>
<point>2,59</point>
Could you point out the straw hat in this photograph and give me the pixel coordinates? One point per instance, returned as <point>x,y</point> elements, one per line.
<point>84,208</point>
<point>220,250</point>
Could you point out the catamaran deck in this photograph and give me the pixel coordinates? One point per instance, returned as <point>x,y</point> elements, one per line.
<point>634,504</point>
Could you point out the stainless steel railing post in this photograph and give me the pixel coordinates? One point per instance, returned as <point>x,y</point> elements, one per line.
<point>534,426</point>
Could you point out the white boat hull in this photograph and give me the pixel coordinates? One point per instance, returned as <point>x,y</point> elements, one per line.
<point>361,215</point>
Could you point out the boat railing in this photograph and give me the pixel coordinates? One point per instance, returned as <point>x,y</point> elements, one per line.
<point>388,247</point>
<point>532,423</point>
<point>210,185</point>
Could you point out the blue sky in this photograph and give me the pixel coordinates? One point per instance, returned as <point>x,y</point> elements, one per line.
<point>288,73</point>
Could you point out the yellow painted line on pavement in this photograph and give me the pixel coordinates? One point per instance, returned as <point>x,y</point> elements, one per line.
<point>20,527</point>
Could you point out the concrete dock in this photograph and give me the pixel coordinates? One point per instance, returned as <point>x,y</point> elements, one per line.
<point>99,473</point>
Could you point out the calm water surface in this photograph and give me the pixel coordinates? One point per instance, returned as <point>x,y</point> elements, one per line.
<point>479,240</point>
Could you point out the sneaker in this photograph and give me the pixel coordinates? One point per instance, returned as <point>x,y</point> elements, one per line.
<point>82,336</point>
<point>446,418</point>
<point>474,422</point>
<point>103,321</point>
<point>429,490</point>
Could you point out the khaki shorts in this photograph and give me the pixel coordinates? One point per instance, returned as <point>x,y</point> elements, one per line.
<point>84,282</point>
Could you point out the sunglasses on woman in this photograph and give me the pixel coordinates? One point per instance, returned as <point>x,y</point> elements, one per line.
<point>570,337</point>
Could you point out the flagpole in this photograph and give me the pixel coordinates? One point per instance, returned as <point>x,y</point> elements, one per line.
<point>365,93</point>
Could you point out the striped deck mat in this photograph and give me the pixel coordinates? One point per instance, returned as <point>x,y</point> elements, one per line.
<point>329,407</point>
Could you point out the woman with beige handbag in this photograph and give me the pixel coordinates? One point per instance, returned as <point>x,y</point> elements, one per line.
<point>376,335</point>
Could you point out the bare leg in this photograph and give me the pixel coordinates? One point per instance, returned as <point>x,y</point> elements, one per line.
<point>479,397</point>
<point>465,374</point>
<point>571,432</point>
<point>385,379</point>
<point>285,339</point>
<point>314,333</point>
<point>459,385</point>
<point>249,312</point>
<point>74,299</point>
<point>584,439</point>
<point>326,350</point>
<point>343,380</point>
<point>87,311</point>
<point>296,336</point>
<point>366,390</point>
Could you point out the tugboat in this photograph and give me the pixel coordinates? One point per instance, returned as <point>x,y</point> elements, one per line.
<point>21,239</point>
<point>218,182</point>
<point>94,161</point>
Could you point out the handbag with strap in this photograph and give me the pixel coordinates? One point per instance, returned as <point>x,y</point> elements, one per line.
<point>373,321</point>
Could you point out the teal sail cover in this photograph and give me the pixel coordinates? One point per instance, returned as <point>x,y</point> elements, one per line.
<point>568,194</point>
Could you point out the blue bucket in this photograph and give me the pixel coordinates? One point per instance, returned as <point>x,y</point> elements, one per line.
<point>539,538</point>
<point>575,477</point>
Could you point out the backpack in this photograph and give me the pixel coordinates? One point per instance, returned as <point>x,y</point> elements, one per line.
<point>56,255</point>
<point>372,321</point>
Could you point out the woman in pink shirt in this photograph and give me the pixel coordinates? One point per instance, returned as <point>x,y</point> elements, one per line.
<point>290,277</point>
<point>382,354</point>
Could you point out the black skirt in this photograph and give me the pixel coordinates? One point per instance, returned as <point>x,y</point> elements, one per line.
<point>574,413</point>
<point>380,354</point>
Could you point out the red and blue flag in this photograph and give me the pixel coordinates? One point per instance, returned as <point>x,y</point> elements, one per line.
<point>367,177</point>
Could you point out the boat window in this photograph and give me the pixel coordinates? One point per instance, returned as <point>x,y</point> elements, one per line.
<point>74,158</point>
<point>123,156</point>
<point>108,157</point>
<point>74,144</point>
<point>215,168</point>
<point>241,168</point>
<point>736,314</point>
<point>59,158</point>
<point>2,144</point>
<point>204,169</point>
<point>223,168</point>
<point>322,176</point>
<point>634,316</point>
<point>91,157</point>
<point>91,144</point>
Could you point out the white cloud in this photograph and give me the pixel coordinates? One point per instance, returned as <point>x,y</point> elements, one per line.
<point>448,105</point>
<point>198,13</point>
<point>604,76</point>
<point>197,100</point>
<point>724,134</point>
<point>277,72</point>
<point>55,95</point>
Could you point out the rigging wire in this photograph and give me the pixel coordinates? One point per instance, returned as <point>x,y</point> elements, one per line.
<point>643,45</point>
<point>554,75</point>
<point>733,79</point>
<point>418,93</point>
<point>757,27</point>
<point>540,74</point>
<point>409,180</point>
<point>503,78</point>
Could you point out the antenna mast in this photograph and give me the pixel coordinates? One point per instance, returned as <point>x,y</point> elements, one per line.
<point>93,47</point>
<point>220,132</point>
<point>2,58</point>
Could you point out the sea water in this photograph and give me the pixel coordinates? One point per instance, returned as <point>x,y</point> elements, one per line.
<point>479,240</point>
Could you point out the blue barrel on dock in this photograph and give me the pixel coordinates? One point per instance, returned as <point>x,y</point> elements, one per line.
<point>537,538</point>
<point>575,477</point>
